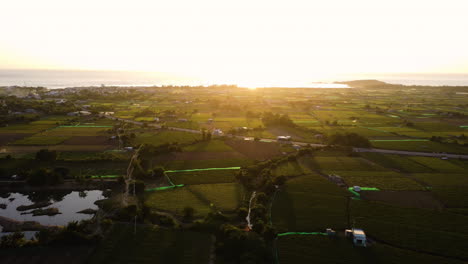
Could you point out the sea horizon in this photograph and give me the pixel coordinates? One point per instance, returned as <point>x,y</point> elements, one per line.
<point>56,79</point>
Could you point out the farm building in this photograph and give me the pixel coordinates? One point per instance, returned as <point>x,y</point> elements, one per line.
<point>217,132</point>
<point>283,138</point>
<point>358,236</point>
<point>79,113</point>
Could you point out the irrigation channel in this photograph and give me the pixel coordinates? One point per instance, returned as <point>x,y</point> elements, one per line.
<point>247,218</point>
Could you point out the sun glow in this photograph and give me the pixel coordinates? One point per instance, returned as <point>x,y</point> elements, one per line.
<point>251,43</point>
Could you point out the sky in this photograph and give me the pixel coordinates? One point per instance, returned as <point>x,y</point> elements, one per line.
<point>237,41</point>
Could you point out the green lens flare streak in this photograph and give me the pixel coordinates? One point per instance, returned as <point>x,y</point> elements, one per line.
<point>302,233</point>
<point>207,169</point>
<point>104,176</point>
<point>164,188</point>
<point>351,189</point>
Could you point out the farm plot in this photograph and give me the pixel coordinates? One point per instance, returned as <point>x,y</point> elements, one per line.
<point>322,249</point>
<point>176,200</point>
<point>385,180</point>
<point>416,199</point>
<point>38,140</point>
<point>292,168</point>
<point>400,163</point>
<point>341,163</point>
<point>151,245</point>
<point>208,146</point>
<point>225,196</point>
<point>254,149</point>
<point>410,227</point>
<point>76,131</point>
<point>6,138</point>
<point>426,146</point>
<point>163,137</point>
<point>220,162</point>
<point>309,203</point>
<point>200,177</point>
<point>25,128</point>
<point>439,165</point>
<point>450,188</point>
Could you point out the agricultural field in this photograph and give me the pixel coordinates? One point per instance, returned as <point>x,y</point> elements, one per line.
<point>410,228</point>
<point>310,203</point>
<point>176,200</point>
<point>150,245</point>
<point>385,180</point>
<point>322,249</point>
<point>163,137</point>
<point>416,211</point>
<point>200,177</point>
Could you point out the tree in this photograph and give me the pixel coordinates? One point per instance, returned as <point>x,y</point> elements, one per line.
<point>44,176</point>
<point>242,212</point>
<point>158,172</point>
<point>188,213</point>
<point>46,155</point>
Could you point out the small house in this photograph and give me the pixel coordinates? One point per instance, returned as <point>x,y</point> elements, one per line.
<point>217,132</point>
<point>359,237</point>
<point>283,139</point>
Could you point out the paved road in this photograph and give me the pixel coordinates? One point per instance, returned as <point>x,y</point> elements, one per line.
<point>386,151</point>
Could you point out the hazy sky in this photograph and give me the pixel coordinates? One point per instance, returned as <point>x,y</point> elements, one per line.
<point>246,41</point>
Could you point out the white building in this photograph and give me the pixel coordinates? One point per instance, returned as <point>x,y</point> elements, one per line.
<point>217,132</point>
<point>359,237</point>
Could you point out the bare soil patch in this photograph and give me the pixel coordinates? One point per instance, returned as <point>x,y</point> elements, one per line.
<point>415,199</point>
<point>6,138</point>
<point>254,149</point>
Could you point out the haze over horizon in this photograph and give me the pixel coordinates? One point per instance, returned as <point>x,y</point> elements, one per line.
<point>244,42</point>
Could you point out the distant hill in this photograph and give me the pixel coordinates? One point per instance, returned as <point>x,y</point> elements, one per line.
<point>365,83</point>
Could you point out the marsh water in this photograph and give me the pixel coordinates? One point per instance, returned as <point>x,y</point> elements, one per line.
<point>68,204</point>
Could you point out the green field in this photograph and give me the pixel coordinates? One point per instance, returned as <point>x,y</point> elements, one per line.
<point>338,163</point>
<point>208,146</point>
<point>401,163</point>
<point>386,180</point>
<point>41,140</point>
<point>200,177</point>
<point>151,245</point>
<point>322,249</point>
<point>224,196</point>
<point>175,200</point>
<point>310,203</point>
<point>163,137</point>
<point>413,228</point>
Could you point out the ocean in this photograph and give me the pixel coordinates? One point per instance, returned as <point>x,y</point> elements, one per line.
<point>73,78</point>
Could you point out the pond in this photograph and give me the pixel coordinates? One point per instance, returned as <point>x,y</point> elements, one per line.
<point>68,204</point>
